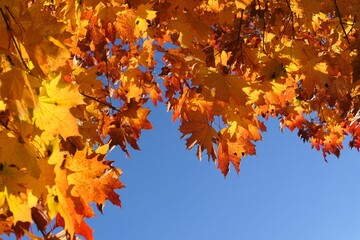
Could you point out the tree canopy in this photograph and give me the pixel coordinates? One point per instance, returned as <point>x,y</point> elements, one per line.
<point>76,77</point>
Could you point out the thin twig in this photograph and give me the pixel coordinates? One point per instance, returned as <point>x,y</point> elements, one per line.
<point>292,18</point>
<point>99,101</point>
<point>353,24</point>
<point>5,125</point>
<point>8,28</point>
<point>238,38</point>
<point>15,18</point>
<point>341,22</point>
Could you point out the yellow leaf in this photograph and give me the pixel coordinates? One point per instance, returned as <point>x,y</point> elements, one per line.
<point>14,186</point>
<point>16,90</point>
<point>53,114</point>
<point>190,27</point>
<point>273,70</point>
<point>242,4</point>
<point>144,11</point>
<point>103,149</point>
<point>14,149</point>
<point>144,14</point>
<point>226,87</point>
<point>224,57</point>
<point>106,12</point>
<point>2,106</point>
<point>314,73</point>
<point>19,206</point>
<point>131,84</point>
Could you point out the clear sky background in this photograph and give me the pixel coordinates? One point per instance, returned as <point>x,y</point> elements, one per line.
<point>286,192</point>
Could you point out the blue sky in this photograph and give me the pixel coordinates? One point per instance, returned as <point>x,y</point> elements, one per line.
<point>285,192</point>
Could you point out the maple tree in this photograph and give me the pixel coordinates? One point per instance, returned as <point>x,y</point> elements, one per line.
<point>76,76</point>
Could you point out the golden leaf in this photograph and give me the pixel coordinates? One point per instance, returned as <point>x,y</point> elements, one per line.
<point>54,111</point>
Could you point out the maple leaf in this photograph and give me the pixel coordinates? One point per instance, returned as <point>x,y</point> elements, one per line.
<point>93,180</point>
<point>87,79</point>
<point>315,74</point>
<point>81,228</point>
<point>19,94</point>
<point>122,136</point>
<point>53,114</point>
<point>236,142</point>
<point>126,127</point>
<point>272,70</point>
<point>45,48</point>
<point>15,149</point>
<point>226,87</point>
<point>16,197</point>
<point>131,84</point>
<point>125,25</point>
<point>201,133</point>
<point>232,152</point>
<point>155,94</point>
<point>62,204</point>
<point>133,114</point>
<point>242,125</point>
<point>145,15</point>
<point>189,27</point>
<point>242,3</point>
<point>107,12</point>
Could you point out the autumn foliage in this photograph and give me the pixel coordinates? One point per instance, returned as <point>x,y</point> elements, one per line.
<point>76,77</point>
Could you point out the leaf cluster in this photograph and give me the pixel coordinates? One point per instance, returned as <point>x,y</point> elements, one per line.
<point>76,77</point>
